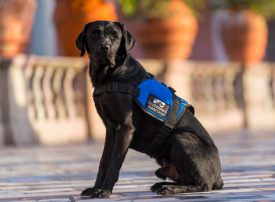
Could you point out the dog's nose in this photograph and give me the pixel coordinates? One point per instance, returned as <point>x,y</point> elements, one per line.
<point>104,47</point>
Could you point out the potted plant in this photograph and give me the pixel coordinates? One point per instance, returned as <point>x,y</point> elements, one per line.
<point>244,28</point>
<point>70,17</point>
<point>166,28</point>
<point>16,20</point>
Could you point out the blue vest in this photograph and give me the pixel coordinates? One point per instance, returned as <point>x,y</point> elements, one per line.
<point>156,99</point>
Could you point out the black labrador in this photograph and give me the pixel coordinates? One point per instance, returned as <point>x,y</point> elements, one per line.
<point>189,156</point>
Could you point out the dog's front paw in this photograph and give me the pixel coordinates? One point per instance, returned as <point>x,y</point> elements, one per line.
<point>164,190</point>
<point>87,192</point>
<point>156,186</point>
<point>99,193</point>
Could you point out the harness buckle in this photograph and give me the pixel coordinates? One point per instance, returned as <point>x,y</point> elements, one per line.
<point>164,133</point>
<point>183,102</point>
<point>168,130</point>
<point>110,86</point>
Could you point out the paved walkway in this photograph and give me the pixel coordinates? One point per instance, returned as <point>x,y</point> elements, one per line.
<point>60,173</point>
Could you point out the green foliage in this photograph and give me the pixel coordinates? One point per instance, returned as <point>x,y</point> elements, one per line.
<point>263,7</point>
<point>128,7</point>
<point>153,8</point>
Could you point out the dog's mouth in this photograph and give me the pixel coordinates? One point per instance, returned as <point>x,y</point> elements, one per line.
<point>104,61</point>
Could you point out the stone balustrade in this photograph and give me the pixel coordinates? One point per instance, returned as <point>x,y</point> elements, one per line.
<point>215,90</point>
<point>49,100</point>
<point>43,100</point>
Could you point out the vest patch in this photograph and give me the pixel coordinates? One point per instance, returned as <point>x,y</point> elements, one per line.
<point>156,99</point>
<point>157,106</point>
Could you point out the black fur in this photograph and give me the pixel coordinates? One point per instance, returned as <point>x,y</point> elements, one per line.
<point>188,156</point>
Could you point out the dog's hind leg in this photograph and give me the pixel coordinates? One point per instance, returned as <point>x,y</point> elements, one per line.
<point>160,174</point>
<point>167,170</point>
<point>195,162</point>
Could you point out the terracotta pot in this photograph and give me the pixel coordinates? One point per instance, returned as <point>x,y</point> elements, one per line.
<point>70,17</point>
<point>16,20</point>
<point>245,36</point>
<point>170,38</point>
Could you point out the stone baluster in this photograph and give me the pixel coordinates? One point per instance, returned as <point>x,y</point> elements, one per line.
<point>229,78</point>
<point>57,89</point>
<point>69,93</point>
<point>208,91</point>
<point>48,93</point>
<point>38,95</point>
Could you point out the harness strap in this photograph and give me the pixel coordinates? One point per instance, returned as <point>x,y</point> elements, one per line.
<point>171,120</point>
<point>116,86</point>
<point>167,128</point>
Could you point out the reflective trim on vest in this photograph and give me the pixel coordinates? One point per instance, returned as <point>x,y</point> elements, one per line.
<point>157,99</point>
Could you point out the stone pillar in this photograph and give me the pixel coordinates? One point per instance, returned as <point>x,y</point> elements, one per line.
<point>260,111</point>
<point>178,76</point>
<point>5,128</point>
<point>17,128</point>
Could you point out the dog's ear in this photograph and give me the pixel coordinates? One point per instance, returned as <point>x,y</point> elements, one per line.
<point>80,41</point>
<point>127,43</point>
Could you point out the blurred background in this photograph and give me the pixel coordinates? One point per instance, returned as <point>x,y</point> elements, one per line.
<point>217,54</point>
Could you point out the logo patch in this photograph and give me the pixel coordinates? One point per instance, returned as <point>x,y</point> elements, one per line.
<point>157,106</point>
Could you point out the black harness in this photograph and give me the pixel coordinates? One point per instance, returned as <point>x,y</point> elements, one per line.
<point>171,119</point>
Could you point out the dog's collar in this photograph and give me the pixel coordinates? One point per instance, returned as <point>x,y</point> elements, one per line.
<point>116,86</point>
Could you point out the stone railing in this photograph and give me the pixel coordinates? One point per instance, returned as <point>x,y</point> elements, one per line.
<point>43,99</point>
<point>227,96</point>
<point>49,100</point>
<point>215,90</point>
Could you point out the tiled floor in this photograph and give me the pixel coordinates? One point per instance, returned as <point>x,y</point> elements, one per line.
<point>60,173</point>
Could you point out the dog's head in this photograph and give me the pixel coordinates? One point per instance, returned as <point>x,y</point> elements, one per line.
<point>105,42</point>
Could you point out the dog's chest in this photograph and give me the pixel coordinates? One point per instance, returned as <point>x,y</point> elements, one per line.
<point>122,109</point>
<point>115,109</point>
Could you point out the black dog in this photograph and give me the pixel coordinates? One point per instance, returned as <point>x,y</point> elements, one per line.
<point>188,156</point>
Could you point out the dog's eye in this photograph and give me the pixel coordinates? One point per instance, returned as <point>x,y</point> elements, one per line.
<point>93,35</point>
<point>114,36</point>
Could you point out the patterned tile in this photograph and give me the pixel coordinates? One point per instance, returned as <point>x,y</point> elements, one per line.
<point>60,173</point>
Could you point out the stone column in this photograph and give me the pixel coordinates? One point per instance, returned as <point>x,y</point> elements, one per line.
<point>260,111</point>
<point>17,128</point>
